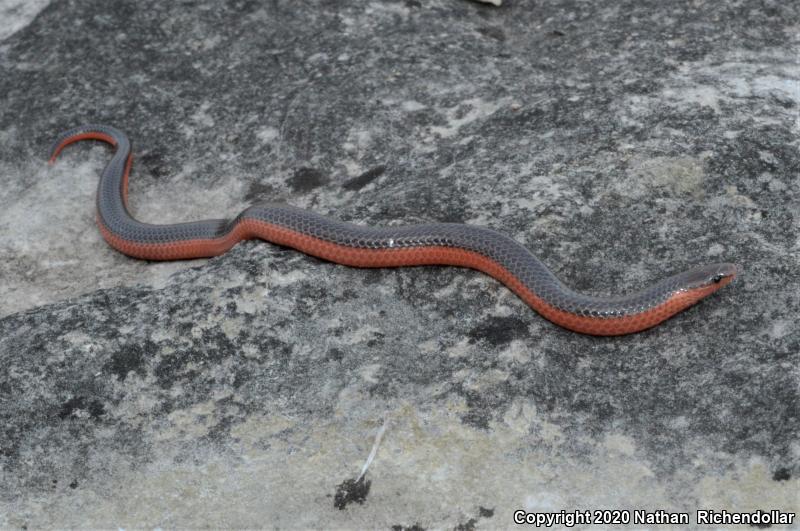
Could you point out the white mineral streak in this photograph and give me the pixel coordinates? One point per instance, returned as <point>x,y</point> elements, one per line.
<point>16,14</point>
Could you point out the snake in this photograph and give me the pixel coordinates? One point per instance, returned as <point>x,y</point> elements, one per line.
<point>452,244</point>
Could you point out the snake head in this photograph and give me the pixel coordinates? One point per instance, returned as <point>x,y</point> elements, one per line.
<point>710,277</point>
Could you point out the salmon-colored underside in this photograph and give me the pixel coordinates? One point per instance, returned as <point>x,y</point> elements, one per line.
<point>430,255</point>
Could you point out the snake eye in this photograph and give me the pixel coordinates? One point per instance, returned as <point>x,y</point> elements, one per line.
<point>717,278</point>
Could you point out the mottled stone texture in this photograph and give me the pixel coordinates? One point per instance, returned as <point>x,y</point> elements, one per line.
<point>620,141</point>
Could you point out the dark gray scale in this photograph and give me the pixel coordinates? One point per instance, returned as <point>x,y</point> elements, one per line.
<point>494,245</point>
<point>115,215</point>
<point>497,246</point>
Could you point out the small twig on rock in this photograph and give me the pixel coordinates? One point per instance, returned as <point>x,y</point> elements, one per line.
<point>375,445</point>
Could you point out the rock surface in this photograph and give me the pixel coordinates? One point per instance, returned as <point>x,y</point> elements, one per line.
<point>619,143</point>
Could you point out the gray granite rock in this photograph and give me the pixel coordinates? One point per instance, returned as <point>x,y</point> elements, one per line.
<point>619,142</point>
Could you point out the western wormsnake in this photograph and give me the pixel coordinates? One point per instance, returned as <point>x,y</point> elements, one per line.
<point>431,244</point>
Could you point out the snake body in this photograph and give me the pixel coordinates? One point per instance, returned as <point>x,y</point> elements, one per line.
<point>453,244</point>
